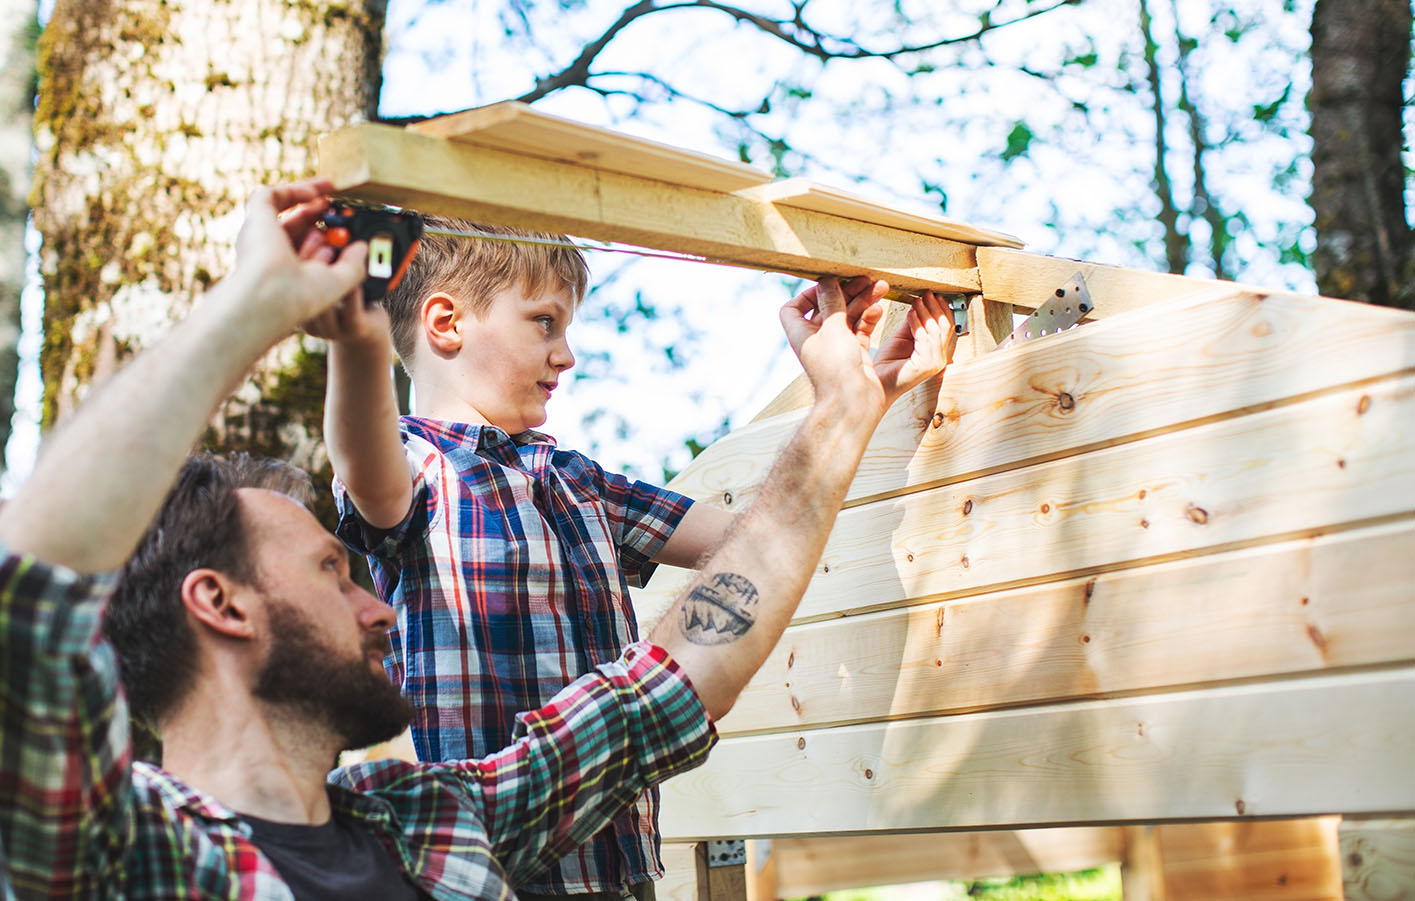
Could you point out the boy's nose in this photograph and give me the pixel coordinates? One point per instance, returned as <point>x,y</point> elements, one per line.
<point>562,358</point>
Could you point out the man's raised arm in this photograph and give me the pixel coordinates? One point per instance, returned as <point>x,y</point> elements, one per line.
<point>722,628</point>
<point>102,475</point>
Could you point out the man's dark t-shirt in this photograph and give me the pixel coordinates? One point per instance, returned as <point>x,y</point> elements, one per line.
<point>336,861</point>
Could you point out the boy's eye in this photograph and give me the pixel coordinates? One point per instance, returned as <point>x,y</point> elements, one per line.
<point>546,322</point>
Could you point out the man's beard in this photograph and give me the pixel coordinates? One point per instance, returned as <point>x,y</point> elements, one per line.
<point>361,706</point>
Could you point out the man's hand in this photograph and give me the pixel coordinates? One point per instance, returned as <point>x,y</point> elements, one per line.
<point>829,326</point>
<point>285,268</point>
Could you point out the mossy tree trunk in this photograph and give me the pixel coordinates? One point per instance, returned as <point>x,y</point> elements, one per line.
<point>156,119</point>
<point>18,28</point>
<point>1360,58</point>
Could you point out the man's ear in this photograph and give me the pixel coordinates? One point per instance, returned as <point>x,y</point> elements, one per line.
<point>211,597</point>
<point>442,324</point>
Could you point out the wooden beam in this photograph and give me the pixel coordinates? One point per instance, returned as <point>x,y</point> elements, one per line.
<point>1273,860</point>
<point>680,873</point>
<point>1343,600</point>
<point>1378,858</point>
<point>717,882</point>
<point>1335,461</point>
<point>389,165</point>
<point>1298,747</point>
<point>1142,873</point>
<point>1030,279</point>
<point>1102,384</point>
<point>814,866</point>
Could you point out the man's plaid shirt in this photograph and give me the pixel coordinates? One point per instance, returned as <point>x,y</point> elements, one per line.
<point>77,819</point>
<point>510,579</point>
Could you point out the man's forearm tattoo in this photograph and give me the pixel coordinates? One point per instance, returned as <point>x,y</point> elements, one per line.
<point>720,610</point>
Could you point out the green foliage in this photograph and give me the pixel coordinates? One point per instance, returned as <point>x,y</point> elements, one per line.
<point>1096,884</point>
<point>1019,141</point>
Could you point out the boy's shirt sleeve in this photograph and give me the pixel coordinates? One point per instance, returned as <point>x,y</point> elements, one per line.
<point>66,803</point>
<point>385,544</point>
<point>642,516</point>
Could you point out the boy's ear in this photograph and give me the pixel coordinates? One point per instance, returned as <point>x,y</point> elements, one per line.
<point>210,596</point>
<point>442,324</point>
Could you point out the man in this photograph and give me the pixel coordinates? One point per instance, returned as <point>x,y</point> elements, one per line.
<point>271,658</point>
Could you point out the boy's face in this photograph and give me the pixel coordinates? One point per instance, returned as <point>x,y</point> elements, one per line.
<point>513,355</point>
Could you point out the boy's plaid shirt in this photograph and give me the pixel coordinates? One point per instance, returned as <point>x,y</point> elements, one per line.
<point>509,576</point>
<point>77,820</point>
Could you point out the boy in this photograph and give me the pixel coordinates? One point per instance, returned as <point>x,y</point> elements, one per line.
<point>506,558</point>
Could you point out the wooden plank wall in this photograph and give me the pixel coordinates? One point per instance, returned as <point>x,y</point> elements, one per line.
<point>1159,567</point>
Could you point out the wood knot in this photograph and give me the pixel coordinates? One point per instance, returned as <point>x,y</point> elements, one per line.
<point>909,557</point>
<point>1090,589</point>
<point>1085,639</point>
<point>791,659</point>
<point>1341,463</point>
<point>1197,514</point>
<point>869,773</point>
<point>796,706</point>
<point>967,507</point>
<point>965,561</point>
<point>1318,638</point>
<point>1355,859</point>
<point>1363,405</point>
<point>937,421</point>
<point>1065,401</point>
<point>1144,523</point>
<point>1240,807</point>
<point>1305,601</point>
<point>727,498</point>
<point>1142,494</point>
<point>1046,508</point>
<point>825,568</point>
<point>801,746</point>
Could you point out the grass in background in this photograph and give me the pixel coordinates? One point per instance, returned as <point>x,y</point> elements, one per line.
<point>1098,884</point>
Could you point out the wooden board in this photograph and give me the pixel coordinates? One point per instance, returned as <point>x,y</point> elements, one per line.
<point>518,128</point>
<point>1378,857</point>
<point>814,866</point>
<point>1335,461</point>
<point>1260,861</point>
<point>680,873</point>
<point>390,165</point>
<point>1102,384</point>
<point>1339,601</point>
<point>1300,747</point>
<point>804,194</point>
<point>1029,279</point>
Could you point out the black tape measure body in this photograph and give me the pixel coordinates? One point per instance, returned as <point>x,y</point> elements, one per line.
<point>392,237</point>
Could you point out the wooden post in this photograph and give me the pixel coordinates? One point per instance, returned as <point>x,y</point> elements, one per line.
<point>1378,859</point>
<point>761,871</point>
<point>719,881</point>
<point>1142,872</point>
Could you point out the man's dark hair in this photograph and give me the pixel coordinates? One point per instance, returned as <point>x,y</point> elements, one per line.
<point>198,526</point>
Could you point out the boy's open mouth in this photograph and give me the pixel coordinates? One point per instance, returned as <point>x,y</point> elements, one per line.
<point>547,387</point>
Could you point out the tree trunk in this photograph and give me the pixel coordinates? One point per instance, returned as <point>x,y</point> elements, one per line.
<point>18,28</point>
<point>156,119</point>
<point>1360,57</point>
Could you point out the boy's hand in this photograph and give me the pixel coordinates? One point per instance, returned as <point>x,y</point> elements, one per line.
<point>829,327</point>
<point>284,265</point>
<point>351,321</point>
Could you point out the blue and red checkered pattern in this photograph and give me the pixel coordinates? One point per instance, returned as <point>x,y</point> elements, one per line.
<point>510,576</point>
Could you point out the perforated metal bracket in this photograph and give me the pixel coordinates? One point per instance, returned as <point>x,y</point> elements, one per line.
<point>1070,305</point>
<point>727,854</point>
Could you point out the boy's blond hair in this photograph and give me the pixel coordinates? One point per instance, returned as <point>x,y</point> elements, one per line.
<point>473,270</point>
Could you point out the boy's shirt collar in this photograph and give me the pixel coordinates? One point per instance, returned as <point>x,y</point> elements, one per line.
<point>473,436</point>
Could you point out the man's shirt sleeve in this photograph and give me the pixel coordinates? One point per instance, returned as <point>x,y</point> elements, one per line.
<point>643,517</point>
<point>65,788</point>
<point>584,757</point>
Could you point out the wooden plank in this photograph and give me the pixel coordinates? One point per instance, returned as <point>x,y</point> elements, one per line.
<point>762,882</point>
<point>1343,600</point>
<point>516,127</point>
<point>814,866</point>
<point>1029,279</point>
<point>680,873</point>
<point>1335,461</point>
<point>1102,384</point>
<point>804,194</point>
<point>717,882</point>
<point>1277,860</point>
<point>1299,747</point>
<point>1142,873</point>
<point>1378,858</point>
<point>389,165</point>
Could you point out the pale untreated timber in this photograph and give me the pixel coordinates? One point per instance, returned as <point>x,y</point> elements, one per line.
<point>804,194</point>
<point>814,866</point>
<point>1104,383</point>
<point>1299,747</point>
<point>1342,600</point>
<point>1142,872</point>
<point>1030,279</point>
<point>1274,860</point>
<point>391,165</point>
<point>1378,857</point>
<point>680,873</point>
<point>518,128</point>
<point>1331,462</point>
